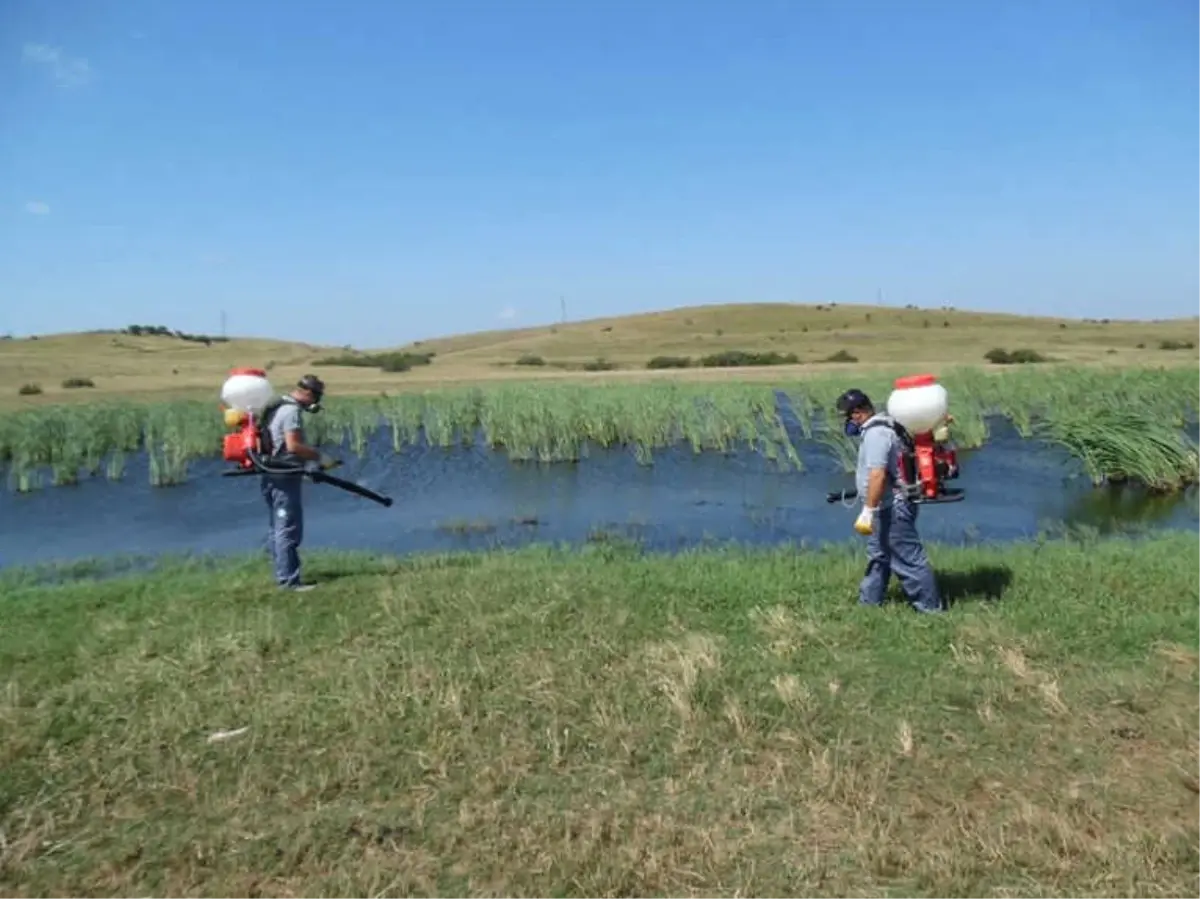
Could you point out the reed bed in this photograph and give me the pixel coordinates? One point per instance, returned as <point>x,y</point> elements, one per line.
<point>1122,424</point>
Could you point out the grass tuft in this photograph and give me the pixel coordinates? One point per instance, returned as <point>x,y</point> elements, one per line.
<point>1119,446</point>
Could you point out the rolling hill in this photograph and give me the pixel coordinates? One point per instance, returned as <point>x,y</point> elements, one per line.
<point>118,363</point>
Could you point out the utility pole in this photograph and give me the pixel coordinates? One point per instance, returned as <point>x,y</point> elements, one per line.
<point>562,302</point>
<point>223,323</point>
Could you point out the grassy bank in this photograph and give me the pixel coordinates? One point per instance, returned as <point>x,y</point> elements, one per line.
<point>598,722</point>
<point>1122,423</point>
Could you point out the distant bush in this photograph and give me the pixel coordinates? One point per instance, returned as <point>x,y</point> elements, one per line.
<point>163,331</point>
<point>389,362</point>
<point>1000,356</point>
<point>840,356</point>
<point>1176,345</point>
<point>670,362</point>
<point>29,389</point>
<point>741,358</point>
<point>599,365</point>
<point>73,383</point>
<point>530,359</point>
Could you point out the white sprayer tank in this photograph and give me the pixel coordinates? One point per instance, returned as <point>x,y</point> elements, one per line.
<point>247,390</point>
<point>919,403</point>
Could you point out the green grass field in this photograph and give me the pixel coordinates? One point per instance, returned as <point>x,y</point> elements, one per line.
<point>599,722</point>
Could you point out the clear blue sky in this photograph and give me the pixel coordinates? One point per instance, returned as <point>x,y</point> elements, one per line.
<point>373,172</point>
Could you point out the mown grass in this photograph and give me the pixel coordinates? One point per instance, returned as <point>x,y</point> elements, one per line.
<point>1082,408</point>
<point>599,722</point>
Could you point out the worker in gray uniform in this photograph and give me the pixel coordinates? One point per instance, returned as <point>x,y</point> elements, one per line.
<point>284,440</point>
<point>888,518</point>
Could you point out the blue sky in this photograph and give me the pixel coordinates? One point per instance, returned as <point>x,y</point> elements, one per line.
<point>377,171</point>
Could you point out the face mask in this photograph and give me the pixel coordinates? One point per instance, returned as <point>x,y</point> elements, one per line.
<point>851,428</point>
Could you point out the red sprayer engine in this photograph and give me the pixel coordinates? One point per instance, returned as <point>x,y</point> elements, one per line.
<point>244,395</point>
<point>918,404</point>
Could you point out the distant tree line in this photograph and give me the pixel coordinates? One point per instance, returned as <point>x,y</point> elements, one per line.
<point>163,331</point>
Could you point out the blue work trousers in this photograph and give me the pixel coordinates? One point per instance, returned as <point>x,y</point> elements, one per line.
<point>895,546</point>
<point>284,500</point>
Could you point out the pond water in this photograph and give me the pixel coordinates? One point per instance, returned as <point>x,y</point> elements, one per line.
<point>474,498</point>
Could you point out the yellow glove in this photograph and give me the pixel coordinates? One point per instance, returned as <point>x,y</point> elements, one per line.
<point>327,462</point>
<point>865,523</point>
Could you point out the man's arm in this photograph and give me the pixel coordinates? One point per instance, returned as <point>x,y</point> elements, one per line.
<point>876,484</point>
<point>293,434</point>
<point>876,448</point>
<point>297,447</point>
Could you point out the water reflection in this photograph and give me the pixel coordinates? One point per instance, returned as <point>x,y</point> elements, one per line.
<point>471,498</point>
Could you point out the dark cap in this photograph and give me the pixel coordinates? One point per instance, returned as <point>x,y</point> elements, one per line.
<point>313,383</point>
<point>851,400</point>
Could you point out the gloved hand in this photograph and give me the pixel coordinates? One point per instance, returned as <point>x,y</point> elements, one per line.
<point>865,523</point>
<point>327,462</point>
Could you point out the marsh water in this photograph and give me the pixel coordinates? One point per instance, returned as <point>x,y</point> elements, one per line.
<point>474,497</point>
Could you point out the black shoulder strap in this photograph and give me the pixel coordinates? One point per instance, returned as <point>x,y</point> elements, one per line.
<point>898,429</point>
<point>264,423</point>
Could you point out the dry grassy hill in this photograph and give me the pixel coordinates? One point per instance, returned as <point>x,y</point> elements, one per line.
<point>121,364</point>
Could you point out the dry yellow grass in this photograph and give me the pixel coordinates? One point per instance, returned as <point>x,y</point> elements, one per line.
<point>160,367</point>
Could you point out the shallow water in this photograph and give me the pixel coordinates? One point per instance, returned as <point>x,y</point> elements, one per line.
<point>473,497</point>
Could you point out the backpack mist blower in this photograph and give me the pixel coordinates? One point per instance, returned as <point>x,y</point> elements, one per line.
<point>250,401</point>
<point>917,409</point>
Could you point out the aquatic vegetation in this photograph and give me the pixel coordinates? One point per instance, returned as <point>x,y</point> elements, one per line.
<point>1118,446</point>
<point>1121,423</point>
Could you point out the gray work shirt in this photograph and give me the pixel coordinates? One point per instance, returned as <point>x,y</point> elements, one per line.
<point>286,418</point>
<point>879,448</point>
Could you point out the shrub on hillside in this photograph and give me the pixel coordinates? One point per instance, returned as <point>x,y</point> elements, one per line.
<point>163,331</point>
<point>840,356</point>
<point>29,389</point>
<point>1176,345</point>
<point>670,362</point>
<point>741,358</point>
<point>389,362</point>
<point>599,365</point>
<point>530,359</point>
<point>73,383</point>
<point>1001,356</point>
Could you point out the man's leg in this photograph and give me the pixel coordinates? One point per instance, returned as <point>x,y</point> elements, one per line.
<point>268,494</point>
<point>910,561</point>
<point>873,588</point>
<point>288,530</point>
